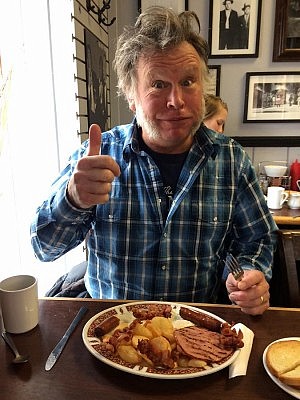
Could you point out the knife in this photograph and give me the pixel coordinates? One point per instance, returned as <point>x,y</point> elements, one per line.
<point>2,329</point>
<point>56,352</point>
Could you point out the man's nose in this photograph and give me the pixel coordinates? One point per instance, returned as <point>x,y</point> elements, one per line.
<point>175,98</point>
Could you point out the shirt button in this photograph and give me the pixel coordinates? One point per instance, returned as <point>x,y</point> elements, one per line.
<point>165,234</point>
<point>163,267</point>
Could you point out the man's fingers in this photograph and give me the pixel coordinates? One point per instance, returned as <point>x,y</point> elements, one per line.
<point>94,140</point>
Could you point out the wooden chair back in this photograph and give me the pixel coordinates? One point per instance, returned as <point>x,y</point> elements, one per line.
<point>285,284</point>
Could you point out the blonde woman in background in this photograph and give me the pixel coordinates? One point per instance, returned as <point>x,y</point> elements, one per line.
<point>216,113</point>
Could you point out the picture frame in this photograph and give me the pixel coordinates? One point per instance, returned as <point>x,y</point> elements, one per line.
<point>286,46</point>
<point>272,97</point>
<point>268,141</point>
<point>97,81</point>
<point>177,5</point>
<point>213,86</point>
<point>242,39</point>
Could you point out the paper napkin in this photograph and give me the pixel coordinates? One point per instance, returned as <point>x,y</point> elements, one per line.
<point>240,364</point>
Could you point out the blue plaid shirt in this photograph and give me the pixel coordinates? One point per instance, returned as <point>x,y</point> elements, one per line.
<point>133,252</point>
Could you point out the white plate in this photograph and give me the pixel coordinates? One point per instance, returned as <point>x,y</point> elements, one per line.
<point>289,389</point>
<point>125,315</point>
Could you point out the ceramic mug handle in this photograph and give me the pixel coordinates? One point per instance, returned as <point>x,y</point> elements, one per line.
<point>284,198</point>
<point>298,183</point>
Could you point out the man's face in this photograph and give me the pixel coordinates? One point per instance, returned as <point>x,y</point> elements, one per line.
<point>247,10</point>
<point>228,5</point>
<point>168,100</point>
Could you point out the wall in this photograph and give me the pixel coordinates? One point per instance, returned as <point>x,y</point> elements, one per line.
<point>84,20</point>
<point>232,87</point>
<point>125,12</point>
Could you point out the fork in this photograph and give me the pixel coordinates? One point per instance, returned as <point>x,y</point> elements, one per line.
<point>233,265</point>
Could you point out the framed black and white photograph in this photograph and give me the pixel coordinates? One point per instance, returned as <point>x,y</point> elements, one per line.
<point>97,81</point>
<point>272,97</point>
<point>176,5</point>
<point>234,28</point>
<point>213,86</point>
<point>286,45</point>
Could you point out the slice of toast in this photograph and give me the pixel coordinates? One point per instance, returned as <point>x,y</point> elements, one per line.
<point>292,377</point>
<point>283,361</point>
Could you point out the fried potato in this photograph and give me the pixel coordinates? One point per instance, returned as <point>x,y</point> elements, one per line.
<point>142,330</point>
<point>185,362</point>
<point>129,354</point>
<point>160,344</point>
<point>163,327</point>
<point>194,362</point>
<point>153,329</point>
<point>146,361</point>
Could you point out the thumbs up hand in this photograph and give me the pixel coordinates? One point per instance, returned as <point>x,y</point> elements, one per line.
<point>91,181</point>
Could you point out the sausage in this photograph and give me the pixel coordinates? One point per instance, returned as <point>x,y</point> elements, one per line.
<point>200,319</point>
<point>106,326</point>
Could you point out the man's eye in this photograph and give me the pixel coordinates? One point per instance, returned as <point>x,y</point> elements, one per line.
<point>187,82</point>
<point>158,84</point>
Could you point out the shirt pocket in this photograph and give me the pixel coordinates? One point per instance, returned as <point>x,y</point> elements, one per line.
<point>125,210</point>
<point>215,214</point>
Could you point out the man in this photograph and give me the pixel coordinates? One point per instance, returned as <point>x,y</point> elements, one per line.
<point>244,23</point>
<point>228,27</point>
<point>163,199</point>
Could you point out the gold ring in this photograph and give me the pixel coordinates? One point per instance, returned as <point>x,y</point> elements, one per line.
<point>262,299</point>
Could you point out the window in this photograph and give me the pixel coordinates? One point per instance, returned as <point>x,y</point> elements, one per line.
<point>37,126</point>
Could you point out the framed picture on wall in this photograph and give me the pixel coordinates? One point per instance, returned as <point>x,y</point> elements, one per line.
<point>214,80</point>
<point>97,81</point>
<point>272,97</point>
<point>234,28</point>
<point>177,5</point>
<point>286,45</point>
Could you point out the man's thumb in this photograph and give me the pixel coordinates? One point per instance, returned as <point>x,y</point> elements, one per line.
<point>94,140</point>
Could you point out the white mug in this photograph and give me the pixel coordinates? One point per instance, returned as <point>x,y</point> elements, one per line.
<point>19,303</point>
<point>276,196</point>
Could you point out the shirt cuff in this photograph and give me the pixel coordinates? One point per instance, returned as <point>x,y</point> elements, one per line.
<point>64,211</point>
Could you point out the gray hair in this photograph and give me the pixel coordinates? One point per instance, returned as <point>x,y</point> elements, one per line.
<point>156,29</point>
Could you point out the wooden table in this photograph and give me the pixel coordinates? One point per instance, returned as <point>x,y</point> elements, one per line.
<point>79,375</point>
<point>286,216</point>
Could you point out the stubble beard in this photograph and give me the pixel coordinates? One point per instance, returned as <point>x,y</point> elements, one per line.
<point>151,128</point>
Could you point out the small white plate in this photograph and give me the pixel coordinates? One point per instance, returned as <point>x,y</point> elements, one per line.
<point>124,313</point>
<point>289,389</point>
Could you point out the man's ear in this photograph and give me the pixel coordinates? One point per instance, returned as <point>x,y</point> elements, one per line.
<point>131,104</point>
